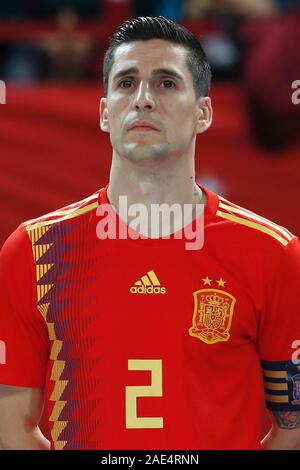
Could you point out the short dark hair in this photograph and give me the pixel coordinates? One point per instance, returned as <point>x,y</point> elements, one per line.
<point>151,27</point>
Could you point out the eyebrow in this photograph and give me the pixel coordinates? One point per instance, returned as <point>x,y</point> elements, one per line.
<point>156,72</point>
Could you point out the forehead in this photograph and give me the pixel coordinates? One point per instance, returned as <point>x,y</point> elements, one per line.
<point>150,55</point>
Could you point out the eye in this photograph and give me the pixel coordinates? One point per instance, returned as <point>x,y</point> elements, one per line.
<point>168,84</point>
<point>125,84</point>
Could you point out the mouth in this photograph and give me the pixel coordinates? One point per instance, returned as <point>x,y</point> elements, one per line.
<point>142,125</point>
<point>143,128</point>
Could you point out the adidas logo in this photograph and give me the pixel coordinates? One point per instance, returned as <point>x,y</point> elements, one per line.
<point>148,284</point>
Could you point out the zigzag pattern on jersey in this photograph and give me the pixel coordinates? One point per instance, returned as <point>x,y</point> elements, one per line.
<point>42,239</point>
<point>233,212</point>
<point>53,262</point>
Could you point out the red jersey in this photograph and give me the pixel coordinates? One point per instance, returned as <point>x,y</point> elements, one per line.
<point>142,344</point>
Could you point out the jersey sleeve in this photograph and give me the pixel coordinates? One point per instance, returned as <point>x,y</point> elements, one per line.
<point>24,341</point>
<point>279,334</point>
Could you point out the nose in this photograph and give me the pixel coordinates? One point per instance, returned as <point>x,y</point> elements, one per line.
<point>143,98</point>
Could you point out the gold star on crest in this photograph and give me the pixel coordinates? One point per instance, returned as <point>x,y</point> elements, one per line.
<point>221,283</point>
<point>207,281</point>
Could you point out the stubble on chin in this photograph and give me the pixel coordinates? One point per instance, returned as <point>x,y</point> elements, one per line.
<point>138,152</point>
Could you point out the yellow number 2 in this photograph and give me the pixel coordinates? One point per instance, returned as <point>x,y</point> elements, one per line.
<point>153,390</point>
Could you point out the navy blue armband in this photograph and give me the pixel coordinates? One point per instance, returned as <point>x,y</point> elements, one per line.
<point>282,385</point>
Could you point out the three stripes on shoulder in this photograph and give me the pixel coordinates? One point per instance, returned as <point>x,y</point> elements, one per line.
<point>242,216</point>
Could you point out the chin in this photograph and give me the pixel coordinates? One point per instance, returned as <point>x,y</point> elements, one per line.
<point>144,152</point>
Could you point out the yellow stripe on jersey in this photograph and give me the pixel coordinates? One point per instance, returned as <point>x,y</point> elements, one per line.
<point>42,290</point>
<point>51,331</point>
<point>68,215</point>
<point>43,309</point>
<point>254,225</point>
<point>59,445</point>
<point>57,369</point>
<point>275,386</point>
<point>36,234</point>
<point>42,269</point>
<point>230,205</point>
<point>57,409</point>
<point>277,398</point>
<point>40,250</point>
<point>57,429</point>
<point>55,350</point>
<point>275,374</point>
<point>58,390</point>
<point>64,211</point>
<point>241,211</point>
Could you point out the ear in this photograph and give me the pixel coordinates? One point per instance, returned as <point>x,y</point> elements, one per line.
<point>204,115</point>
<point>104,120</point>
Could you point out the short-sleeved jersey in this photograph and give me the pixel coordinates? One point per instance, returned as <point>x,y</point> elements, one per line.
<point>143,344</point>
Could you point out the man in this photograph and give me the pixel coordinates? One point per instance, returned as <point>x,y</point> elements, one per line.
<point>136,341</point>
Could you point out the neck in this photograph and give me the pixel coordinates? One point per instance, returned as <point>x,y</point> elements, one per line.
<point>151,183</point>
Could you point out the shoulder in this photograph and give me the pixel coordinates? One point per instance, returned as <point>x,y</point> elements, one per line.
<point>257,228</point>
<point>66,213</point>
<point>21,240</point>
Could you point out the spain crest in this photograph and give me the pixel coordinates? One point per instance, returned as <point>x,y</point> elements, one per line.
<point>213,311</point>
